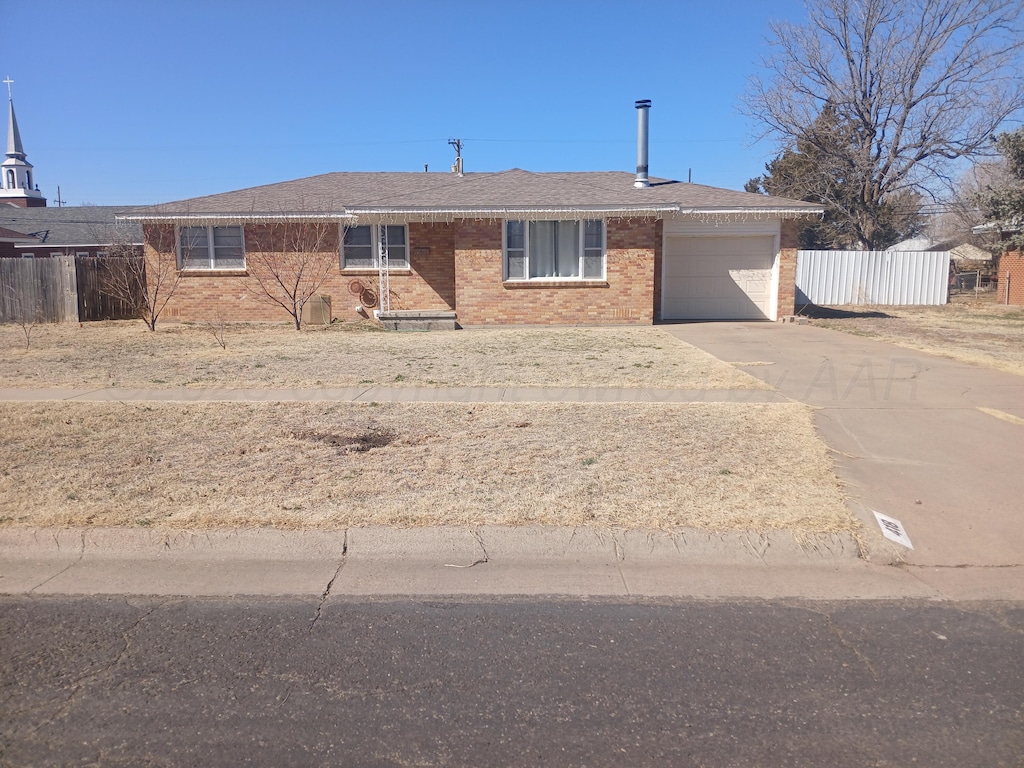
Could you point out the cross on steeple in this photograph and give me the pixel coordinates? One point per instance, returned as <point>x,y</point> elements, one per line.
<point>8,82</point>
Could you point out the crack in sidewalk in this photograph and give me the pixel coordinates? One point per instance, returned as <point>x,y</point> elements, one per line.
<point>924,566</point>
<point>68,567</point>
<point>327,590</point>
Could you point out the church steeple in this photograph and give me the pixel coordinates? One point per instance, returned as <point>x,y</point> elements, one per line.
<point>14,146</point>
<point>16,184</point>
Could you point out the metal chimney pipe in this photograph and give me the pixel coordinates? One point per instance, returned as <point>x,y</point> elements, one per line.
<point>643,107</point>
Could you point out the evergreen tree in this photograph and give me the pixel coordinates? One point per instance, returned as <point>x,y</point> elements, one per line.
<point>1002,205</point>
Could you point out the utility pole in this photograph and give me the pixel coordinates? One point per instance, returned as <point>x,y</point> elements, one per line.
<point>457,143</point>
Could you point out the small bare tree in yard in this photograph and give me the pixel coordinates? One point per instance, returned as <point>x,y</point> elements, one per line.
<point>288,261</point>
<point>909,86</point>
<point>24,312</point>
<point>146,283</point>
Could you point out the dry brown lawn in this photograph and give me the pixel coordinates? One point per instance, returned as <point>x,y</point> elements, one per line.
<point>978,331</point>
<point>126,354</point>
<point>333,465</point>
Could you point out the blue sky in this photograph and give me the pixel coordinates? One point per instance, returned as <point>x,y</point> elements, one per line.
<point>144,102</point>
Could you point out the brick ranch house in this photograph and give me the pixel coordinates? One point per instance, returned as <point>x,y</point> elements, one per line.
<point>511,247</point>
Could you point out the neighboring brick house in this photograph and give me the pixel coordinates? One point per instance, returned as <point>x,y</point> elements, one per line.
<point>1011,278</point>
<point>85,230</point>
<point>10,240</point>
<point>497,248</point>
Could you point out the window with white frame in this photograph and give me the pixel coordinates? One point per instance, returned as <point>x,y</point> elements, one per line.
<point>360,246</point>
<point>554,250</point>
<point>211,248</point>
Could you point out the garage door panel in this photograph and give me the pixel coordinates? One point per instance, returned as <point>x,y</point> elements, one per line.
<point>723,277</point>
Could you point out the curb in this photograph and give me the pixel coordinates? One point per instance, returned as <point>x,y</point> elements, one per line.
<point>489,560</point>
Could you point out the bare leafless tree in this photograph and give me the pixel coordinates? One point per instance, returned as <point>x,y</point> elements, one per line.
<point>916,84</point>
<point>145,283</point>
<point>287,261</point>
<point>24,312</point>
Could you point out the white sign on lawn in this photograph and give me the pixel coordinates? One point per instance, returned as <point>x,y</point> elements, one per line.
<point>893,529</point>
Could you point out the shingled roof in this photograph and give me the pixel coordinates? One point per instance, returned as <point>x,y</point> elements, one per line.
<point>84,225</point>
<point>444,195</point>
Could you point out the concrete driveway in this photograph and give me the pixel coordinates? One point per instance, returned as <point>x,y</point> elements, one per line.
<point>910,437</point>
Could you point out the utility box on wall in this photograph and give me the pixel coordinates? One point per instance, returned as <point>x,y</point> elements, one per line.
<point>317,311</point>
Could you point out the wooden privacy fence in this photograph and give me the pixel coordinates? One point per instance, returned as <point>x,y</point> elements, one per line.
<point>829,278</point>
<point>61,289</point>
<point>38,290</point>
<point>95,275</point>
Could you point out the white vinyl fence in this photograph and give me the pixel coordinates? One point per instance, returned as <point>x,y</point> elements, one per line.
<point>828,278</point>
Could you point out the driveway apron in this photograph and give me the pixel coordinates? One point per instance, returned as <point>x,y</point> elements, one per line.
<point>910,435</point>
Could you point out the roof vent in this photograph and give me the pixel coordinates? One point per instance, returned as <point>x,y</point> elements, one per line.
<point>643,108</point>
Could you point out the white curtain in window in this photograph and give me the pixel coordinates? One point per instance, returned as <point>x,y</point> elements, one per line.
<point>554,249</point>
<point>568,262</point>
<point>542,248</point>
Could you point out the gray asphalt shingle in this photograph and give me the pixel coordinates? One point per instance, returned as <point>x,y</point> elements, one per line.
<point>70,226</point>
<point>357,192</point>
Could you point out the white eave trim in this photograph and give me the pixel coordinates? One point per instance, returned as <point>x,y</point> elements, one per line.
<point>504,211</point>
<point>775,213</point>
<point>105,244</point>
<point>233,218</point>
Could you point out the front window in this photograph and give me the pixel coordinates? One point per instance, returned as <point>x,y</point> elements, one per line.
<point>211,248</point>
<point>361,246</point>
<point>554,250</point>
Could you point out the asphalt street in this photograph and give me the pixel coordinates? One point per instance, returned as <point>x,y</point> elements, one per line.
<point>105,681</point>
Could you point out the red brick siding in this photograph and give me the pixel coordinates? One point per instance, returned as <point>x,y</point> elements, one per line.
<point>625,296</point>
<point>1011,278</point>
<point>432,258</point>
<point>24,202</point>
<point>200,296</point>
<point>789,240</point>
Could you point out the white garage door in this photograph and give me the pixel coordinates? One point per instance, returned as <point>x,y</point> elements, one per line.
<point>718,278</point>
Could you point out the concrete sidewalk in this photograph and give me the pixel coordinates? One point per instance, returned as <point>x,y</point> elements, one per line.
<point>916,437</point>
<point>396,395</point>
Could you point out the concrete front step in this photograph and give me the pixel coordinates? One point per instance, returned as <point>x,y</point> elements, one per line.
<point>418,320</point>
